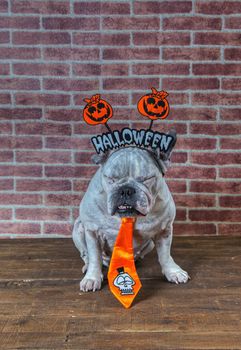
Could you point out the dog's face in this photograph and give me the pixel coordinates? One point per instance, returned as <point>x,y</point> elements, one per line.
<point>130,179</point>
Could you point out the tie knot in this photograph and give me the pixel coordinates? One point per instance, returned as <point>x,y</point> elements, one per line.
<point>128,220</point>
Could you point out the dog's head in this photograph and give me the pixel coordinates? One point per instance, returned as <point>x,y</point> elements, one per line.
<point>131,178</point>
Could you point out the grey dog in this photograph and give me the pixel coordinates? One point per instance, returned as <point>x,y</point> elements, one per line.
<point>129,182</point>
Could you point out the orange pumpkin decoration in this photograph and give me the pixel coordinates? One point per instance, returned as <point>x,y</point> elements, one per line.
<point>154,105</point>
<point>97,111</point>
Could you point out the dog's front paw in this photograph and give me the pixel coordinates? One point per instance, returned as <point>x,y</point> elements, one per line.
<point>176,275</point>
<point>91,283</point>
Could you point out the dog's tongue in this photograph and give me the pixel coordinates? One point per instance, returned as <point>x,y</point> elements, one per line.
<point>123,280</point>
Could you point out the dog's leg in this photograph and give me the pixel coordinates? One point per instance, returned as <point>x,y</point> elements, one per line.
<point>78,236</point>
<point>94,277</point>
<point>173,272</point>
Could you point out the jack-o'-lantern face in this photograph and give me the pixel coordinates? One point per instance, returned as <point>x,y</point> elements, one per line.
<point>154,105</point>
<point>97,111</point>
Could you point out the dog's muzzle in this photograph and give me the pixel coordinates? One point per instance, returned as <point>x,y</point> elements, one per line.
<point>125,199</point>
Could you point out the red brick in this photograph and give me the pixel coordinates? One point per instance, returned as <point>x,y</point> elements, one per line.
<point>211,99</point>
<point>68,143</point>
<point>214,38</point>
<point>161,38</point>
<point>155,7</point>
<point>71,23</point>
<point>6,185</point>
<point>204,114</point>
<point>40,7</point>
<point>216,69</point>
<point>105,8</point>
<point>93,38</point>
<point>131,54</point>
<point>194,201</point>
<point>192,23</point>
<point>20,228</point>
<point>192,172</point>
<point>230,201</point>
<point>43,185</point>
<point>19,84</point>
<point>231,84</point>
<point>231,143</point>
<point>70,171</point>
<point>21,170</point>
<point>86,69</point>
<point>43,157</point>
<point>157,68</point>
<point>5,214</point>
<point>42,99</point>
<point>215,129</point>
<point>43,128</point>
<point>190,83</point>
<point>214,215</point>
<point>12,142</point>
<point>4,6</point>
<point>129,83</point>
<point>5,99</point>
<point>83,157</point>
<point>6,156</point>
<point>37,214</point>
<point>230,172</point>
<point>20,53</point>
<point>216,158</point>
<point>230,114</point>
<point>6,128</point>
<point>20,199</point>
<point>191,229</point>
<point>60,229</point>
<point>191,54</point>
<point>89,38</point>
<point>63,114</point>
<point>115,99</point>
<point>177,186</point>
<point>232,23</point>
<point>4,69</point>
<point>229,229</point>
<point>62,200</point>
<point>18,22</point>
<point>75,54</point>
<point>71,84</point>
<point>229,187</point>
<point>181,214</point>
<point>4,37</point>
<point>80,185</point>
<point>20,113</point>
<point>43,38</point>
<point>114,69</point>
<point>218,7</point>
<point>232,54</point>
<point>41,69</point>
<point>81,129</point>
<point>201,143</point>
<point>131,23</point>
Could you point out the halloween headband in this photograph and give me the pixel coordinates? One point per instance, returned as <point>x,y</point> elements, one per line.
<point>153,106</point>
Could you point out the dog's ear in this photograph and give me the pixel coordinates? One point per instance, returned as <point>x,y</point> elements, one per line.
<point>163,158</point>
<point>99,159</point>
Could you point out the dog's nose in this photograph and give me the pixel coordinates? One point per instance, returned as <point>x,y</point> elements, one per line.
<point>126,192</point>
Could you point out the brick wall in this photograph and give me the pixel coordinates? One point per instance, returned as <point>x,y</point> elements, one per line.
<point>55,53</point>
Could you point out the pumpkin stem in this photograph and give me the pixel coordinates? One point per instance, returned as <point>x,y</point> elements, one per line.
<point>154,91</point>
<point>86,100</point>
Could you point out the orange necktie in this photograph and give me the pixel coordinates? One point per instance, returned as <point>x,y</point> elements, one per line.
<point>123,280</point>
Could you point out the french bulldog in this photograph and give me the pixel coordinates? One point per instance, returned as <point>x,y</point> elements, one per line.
<point>129,183</point>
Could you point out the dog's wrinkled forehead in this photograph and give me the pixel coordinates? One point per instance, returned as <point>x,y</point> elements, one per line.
<point>134,162</point>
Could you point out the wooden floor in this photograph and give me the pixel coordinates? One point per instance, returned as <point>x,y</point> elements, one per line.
<point>41,306</point>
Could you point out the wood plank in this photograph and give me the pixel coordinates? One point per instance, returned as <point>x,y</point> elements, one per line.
<point>41,306</point>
